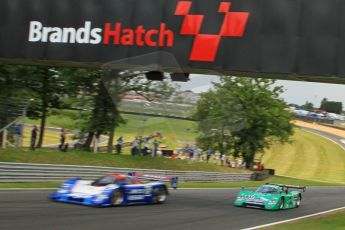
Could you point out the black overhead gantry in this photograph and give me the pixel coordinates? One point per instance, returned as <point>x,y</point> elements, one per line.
<point>283,39</point>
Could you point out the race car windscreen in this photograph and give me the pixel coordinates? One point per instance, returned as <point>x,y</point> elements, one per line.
<point>103,181</point>
<point>267,189</point>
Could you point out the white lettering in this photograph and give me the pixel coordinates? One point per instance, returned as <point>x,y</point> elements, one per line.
<point>83,34</point>
<point>56,35</point>
<point>68,33</point>
<point>96,38</point>
<point>35,31</point>
<point>45,33</point>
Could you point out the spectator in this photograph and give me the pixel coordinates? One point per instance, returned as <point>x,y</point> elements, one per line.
<point>233,163</point>
<point>239,162</point>
<point>217,157</point>
<point>155,147</point>
<point>140,142</point>
<point>18,135</point>
<point>62,139</point>
<point>34,133</point>
<point>119,145</point>
<point>209,154</point>
<point>223,159</point>
<point>146,146</point>
<point>259,166</point>
<point>65,147</point>
<point>190,152</point>
<point>198,153</point>
<point>135,146</point>
<point>227,162</point>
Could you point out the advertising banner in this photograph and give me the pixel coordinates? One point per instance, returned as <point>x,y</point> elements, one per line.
<point>278,38</point>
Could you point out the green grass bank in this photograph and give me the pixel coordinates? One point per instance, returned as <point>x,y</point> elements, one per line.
<point>110,160</point>
<point>332,221</point>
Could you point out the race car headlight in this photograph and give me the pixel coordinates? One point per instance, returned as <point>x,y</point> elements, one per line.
<point>62,190</point>
<point>65,188</point>
<point>239,198</point>
<point>273,201</point>
<point>101,198</point>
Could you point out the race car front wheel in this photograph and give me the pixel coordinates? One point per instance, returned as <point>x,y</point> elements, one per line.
<point>281,203</point>
<point>160,195</point>
<point>117,198</point>
<point>298,202</point>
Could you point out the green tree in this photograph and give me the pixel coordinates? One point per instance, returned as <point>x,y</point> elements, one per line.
<point>333,107</point>
<point>48,88</point>
<point>43,84</point>
<point>101,92</point>
<point>308,106</point>
<point>118,85</point>
<point>242,116</point>
<point>323,102</point>
<point>87,90</point>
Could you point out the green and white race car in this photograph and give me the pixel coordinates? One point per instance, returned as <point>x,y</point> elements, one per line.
<point>271,197</point>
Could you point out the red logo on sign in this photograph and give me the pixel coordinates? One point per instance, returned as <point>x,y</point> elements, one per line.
<point>205,46</point>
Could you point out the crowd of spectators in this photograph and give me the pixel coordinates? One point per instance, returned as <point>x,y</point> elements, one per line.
<point>144,146</point>
<point>149,146</point>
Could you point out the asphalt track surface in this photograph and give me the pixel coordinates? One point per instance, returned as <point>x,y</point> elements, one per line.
<point>198,209</point>
<point>338,139</point>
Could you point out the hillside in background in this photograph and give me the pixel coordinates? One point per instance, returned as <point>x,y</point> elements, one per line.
<point>309,156</point>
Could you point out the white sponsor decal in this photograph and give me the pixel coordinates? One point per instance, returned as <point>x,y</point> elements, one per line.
<point>136,191</point>
<point>135,197</point>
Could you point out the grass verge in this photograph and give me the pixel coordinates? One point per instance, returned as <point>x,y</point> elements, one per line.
<point>274,179</point>
<point>110,160</point>
<point>332,221</point>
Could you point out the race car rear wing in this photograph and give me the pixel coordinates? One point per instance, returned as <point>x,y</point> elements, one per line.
<point>303,188</point>
<point>172,180</point>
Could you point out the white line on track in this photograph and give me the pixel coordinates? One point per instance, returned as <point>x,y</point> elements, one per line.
<point>294,219</point>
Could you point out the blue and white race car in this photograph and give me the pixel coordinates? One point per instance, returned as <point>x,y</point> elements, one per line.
<point>115,190</point>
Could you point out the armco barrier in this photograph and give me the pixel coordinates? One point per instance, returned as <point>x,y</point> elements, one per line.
<point>23,172</point>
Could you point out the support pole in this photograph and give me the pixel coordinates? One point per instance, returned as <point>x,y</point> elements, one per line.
<point>4,138</point>
<point>95,144</point>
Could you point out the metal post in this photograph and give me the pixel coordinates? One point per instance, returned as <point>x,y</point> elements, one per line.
<point>23,123</point>
<point>4,138</point>
<point>95,144</point>
<point>22,128</point>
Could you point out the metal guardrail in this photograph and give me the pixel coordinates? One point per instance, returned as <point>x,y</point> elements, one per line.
<point>23,172</point>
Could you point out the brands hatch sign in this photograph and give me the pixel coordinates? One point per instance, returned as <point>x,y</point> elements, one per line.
<point>87,35</point>
<point>279,38</point>
<point>204,48</point>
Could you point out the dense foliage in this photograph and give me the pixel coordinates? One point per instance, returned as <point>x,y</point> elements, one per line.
<point>242,116</point>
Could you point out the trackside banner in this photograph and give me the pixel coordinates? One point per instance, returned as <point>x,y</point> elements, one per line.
<point>302,38</point>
